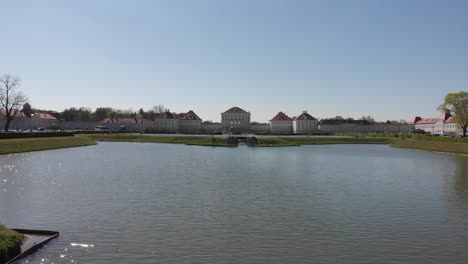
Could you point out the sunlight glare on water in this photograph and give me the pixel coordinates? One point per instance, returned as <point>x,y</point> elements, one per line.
<point>147,203</point>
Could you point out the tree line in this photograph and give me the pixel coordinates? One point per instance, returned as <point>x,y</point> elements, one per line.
<point>86,114</point>
<point>13,102</point>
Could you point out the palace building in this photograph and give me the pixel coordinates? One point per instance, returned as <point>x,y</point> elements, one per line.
<point>445,124</point>
<point>235,120</point>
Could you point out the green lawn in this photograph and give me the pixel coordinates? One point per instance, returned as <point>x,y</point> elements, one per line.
<point>297,141</point>
<point>441,146</point>
<point>373,135</point>
<point>188,140</point>
<point>10,242</point>
<point>34,144</point>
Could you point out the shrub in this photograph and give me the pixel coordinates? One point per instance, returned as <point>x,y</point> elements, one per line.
<point>10,135</point>
<point>419,132</point>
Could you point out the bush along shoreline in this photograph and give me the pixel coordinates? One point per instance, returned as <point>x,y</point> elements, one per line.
<point>10,244</point>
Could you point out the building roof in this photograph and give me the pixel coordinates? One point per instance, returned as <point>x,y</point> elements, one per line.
<point>234,110</point>
<point>281,117</point>
<point>127,120</point>
<point>44,116</point>
<point>18,113</point>
<point>40,115</point>
<point>343,122</point>
<point>431,120</point>
<point>166,115</point>
<point>451,120</point>
<point>415,119</point>
<point>190,115</point>
<point>304,116</point>
<point>390,124</point>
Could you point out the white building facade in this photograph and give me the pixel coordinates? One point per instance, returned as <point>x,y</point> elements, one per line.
<point>190,123</point>
<point>445,124</point>
<point>23,122</point>
<point>281,124</point>
<point>235,120</point>
<point>167,123</point>
<point>260,128</point>
<point>304,124</point>
<point>123,124</point>
<point>211,128</point>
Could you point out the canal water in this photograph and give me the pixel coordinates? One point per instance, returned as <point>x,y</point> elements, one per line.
<point>163,203</point>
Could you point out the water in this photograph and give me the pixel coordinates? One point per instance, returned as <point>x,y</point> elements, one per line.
<point>163,203</point>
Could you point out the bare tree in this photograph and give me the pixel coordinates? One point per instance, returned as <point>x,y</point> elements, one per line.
<point>158,109</point>
<point>11,99</point>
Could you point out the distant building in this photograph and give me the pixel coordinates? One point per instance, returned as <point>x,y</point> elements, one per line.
<point>123,124</point>
<point>211,128</point>
<point>363,126</point>
<point>260,128</point>
<point>23,122</point>
<point>281,124</point>
<point>167,122</point>
<point>445,124</point>
<point>389,128</point>
<point>304,123</point>
<point>190,123</point>
<point>235,120</point>
<point>343,125</point>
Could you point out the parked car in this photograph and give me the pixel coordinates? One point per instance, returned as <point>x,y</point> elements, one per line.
<point>101,128</point>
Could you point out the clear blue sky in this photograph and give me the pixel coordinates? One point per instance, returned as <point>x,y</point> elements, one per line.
<point>389,59</point>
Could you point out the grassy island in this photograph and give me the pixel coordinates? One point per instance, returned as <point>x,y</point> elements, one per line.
<point>216,141</point>
<point>10,242</point>
<point>297,141</point>
<point>441,144</point>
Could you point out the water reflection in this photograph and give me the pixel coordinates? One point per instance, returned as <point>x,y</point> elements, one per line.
<point>147,203</point>
<point>461,173</point>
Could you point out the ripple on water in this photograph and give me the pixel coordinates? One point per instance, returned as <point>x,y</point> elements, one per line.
<point>147,203</point>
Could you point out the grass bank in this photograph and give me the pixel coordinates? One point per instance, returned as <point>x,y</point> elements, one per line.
<point>372,135</point>
<point>187,140</point>
<point>440,146</point>
<point>440,139</point>
<point>18,145</point>
<point>297,141</point>
<point>10,242</point>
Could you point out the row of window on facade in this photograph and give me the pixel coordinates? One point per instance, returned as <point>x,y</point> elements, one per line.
<point>237,120</point>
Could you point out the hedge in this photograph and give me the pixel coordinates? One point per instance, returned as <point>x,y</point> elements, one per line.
<point>10,135</point>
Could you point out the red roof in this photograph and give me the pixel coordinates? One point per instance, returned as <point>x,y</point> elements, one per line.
<point>431,120</point>
<point>166,115</point>
<point>281,117</point>
<point>18,113</point>
<point>39,115</point>
<point>235,109</point>
<point>190,115</point>
<point>304,116</point>
<point>44,116</point>
<point>451,120</point>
